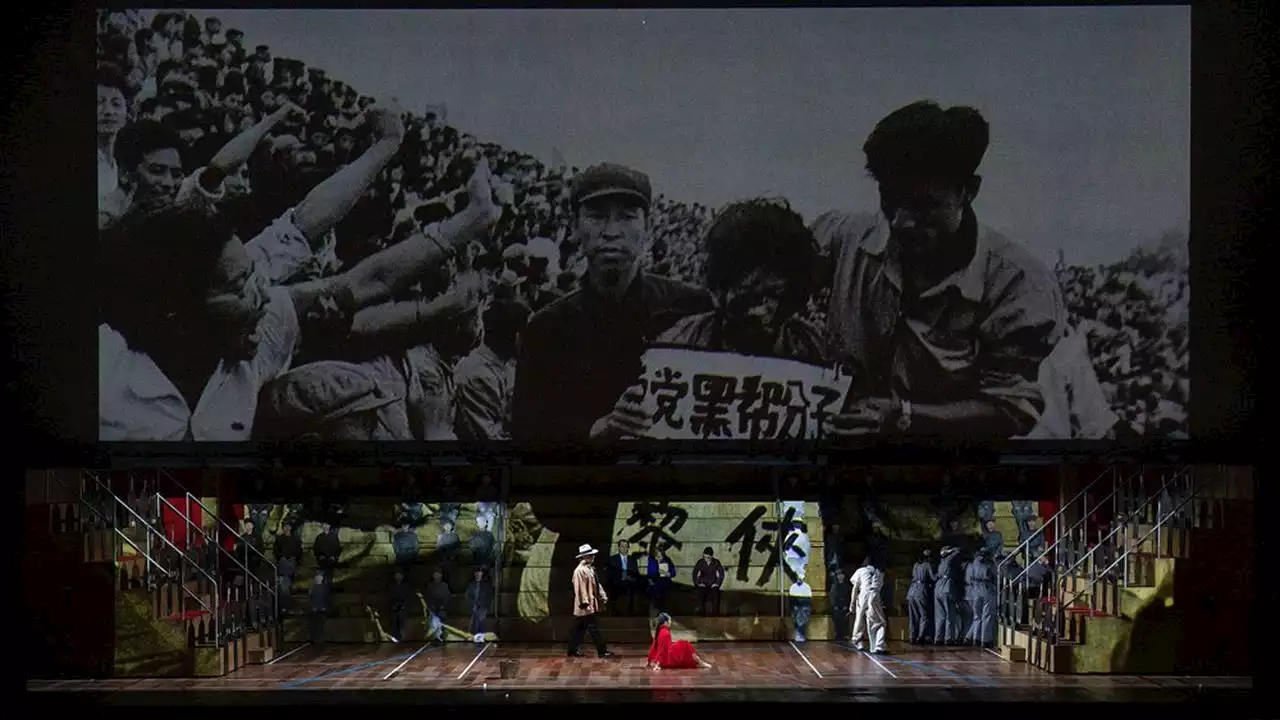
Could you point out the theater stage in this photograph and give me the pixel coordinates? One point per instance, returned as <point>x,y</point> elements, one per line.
<point>515,674</point>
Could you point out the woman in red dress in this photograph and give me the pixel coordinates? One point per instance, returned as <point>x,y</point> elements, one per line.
<point>667,655</point>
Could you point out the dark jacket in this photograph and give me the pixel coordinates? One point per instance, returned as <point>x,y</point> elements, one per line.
<point>327,548</point>
<point>288,546</point>
<point>580,353</point>
<point>480,595</point>
<point>708,573</point>
<point>615,568</point>
<point>438,596</point>
<point>400,594</point>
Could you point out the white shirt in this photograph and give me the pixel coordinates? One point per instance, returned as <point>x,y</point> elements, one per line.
<point>867,584</point>
<point>137,402</point>
<point>108,176</point>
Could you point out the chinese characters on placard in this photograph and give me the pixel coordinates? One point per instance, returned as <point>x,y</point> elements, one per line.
<point>658,524</point>
<point>727,406</point>
<point>744,536</point>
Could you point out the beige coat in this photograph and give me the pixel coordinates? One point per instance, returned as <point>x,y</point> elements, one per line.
<point>586,589</point>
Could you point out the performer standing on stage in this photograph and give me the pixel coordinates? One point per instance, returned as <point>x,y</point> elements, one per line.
<point>664,654</point>
<point>588,599</point>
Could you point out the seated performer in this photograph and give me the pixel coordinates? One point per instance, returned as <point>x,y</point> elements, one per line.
<point>667,655</point>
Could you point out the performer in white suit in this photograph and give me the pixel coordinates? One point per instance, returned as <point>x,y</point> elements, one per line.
<point>868,608</point>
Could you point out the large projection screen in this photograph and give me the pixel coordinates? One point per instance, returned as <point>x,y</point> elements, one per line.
<point>555,226</point>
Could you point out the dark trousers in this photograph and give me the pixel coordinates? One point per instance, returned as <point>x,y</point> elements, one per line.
<point>399,620</point>
<point>709,600</point>
<point>586,624</point>
<point>316,623</point>
<point>627,589</point>
<point>840,618</point>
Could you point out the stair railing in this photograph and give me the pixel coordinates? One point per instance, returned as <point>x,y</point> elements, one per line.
<point>1023,547</point>
<point>267,587</point>
<point>1066,601</point>
<point>182,556</point>
<point>211,545</point>
<point>153,565</point>
<point>1010,595</point>
<point>1078,528</point>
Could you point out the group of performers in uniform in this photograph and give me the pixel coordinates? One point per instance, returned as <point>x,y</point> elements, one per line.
<point>938,603</point>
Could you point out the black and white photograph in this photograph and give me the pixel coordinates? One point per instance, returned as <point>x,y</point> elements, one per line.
<point>577,226</point>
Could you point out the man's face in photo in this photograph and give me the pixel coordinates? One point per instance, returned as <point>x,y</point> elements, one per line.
<point>614,234</point>
<point>157,178</point>
<point>923,213</point>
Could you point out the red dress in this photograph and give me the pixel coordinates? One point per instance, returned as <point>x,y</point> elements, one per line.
<point>668,655</point>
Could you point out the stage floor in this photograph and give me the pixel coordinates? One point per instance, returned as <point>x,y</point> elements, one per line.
<point>819,671</point>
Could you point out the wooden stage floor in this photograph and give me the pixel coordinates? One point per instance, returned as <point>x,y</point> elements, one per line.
<point>772,672</point>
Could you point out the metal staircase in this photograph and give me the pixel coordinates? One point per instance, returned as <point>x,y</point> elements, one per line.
<point>228,614</point>
<point>1126,531</point>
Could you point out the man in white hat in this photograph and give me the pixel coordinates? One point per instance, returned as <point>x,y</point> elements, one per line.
<point>588,599</point>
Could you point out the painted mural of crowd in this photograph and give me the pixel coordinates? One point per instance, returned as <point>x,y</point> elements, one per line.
<point>386,265</point>
<point>429,575</point>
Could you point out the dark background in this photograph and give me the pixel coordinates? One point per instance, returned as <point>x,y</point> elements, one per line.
<point>51,246</point>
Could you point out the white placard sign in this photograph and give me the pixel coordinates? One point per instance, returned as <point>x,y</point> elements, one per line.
<point>700,395</point>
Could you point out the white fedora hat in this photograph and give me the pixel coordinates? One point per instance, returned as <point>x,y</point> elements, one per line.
<point>585,550</point>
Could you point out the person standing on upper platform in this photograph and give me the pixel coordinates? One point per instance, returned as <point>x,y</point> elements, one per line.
<point>942,323</point>
<point>579,355</point>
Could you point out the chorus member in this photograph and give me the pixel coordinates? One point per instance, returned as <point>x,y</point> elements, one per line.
<point>942,323</point>
<point>624,577</point>
<point>708,577</point>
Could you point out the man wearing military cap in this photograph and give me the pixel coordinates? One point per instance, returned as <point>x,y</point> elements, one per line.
<point>580,354</point>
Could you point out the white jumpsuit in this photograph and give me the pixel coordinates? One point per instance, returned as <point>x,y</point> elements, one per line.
<point>868,583</point>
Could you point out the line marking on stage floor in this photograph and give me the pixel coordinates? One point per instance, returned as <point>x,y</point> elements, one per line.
<point>806,660</point>
<point>879,664</point>
<point>329,674</point>
<point>993,652</point>
<point>400,667</point>
<point>474,660</point>
<point>303,646</point>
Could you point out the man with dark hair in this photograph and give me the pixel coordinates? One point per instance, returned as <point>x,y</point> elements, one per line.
<point>759,266</point>
<point>942,323</point>
<point>484,379</point>
<point>580,354</point>
<point>113,113</point>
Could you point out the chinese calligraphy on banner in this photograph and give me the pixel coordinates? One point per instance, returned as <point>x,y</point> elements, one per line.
<point>699,395</point>
<point>759,543</point>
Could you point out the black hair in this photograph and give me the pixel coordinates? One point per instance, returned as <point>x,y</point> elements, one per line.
<point>924,141</point>
<point>159,264</point>
<point>760,234</point>
<point>708,551</point>
<point>110,75</point>
<point>139,139</point>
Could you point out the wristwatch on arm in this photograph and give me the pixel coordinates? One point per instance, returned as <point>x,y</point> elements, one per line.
<point>903,423</point>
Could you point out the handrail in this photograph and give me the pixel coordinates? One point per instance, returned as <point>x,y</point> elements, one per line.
<point>152,531</point>
<point>157,533</point>
<point>1022,546</point>
<point>192,498</point>
<point>1121,525</point>
<point>1102,573</point>
<point>151,562</point>
<point>270,588</point>
<point>1083,519</point>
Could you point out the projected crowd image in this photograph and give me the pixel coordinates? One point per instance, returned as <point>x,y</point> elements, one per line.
<point>315,233</point>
